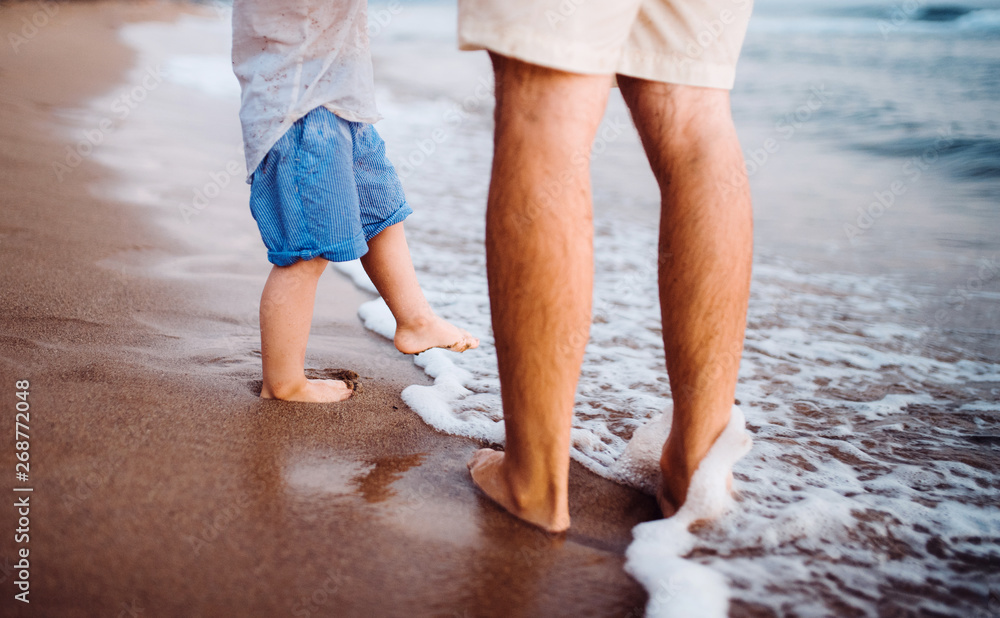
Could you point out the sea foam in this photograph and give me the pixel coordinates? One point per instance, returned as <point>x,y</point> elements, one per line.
<point>679,587</point>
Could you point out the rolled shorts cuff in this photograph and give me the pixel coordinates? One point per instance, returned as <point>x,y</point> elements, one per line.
<point>341,252</point>
<point>345,251</point>
<point>371,231</point>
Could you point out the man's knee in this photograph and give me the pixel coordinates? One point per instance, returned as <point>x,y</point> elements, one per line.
<point>680,99</point>
<point>701,114</point>
<point>678,116</point>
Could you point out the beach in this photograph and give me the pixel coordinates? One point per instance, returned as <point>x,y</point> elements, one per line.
<point>160,484</point>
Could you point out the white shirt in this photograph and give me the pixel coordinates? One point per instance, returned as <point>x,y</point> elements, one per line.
<point>292,56</point>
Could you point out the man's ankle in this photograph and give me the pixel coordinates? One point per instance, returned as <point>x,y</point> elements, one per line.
<point>538,494</point>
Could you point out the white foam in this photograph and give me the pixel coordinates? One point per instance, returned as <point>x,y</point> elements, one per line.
<point>680,587</point>
<point>376,317</point>
<point>676,587</point>
<point>433,403</point>
<point>354,271</point>
<point>209,73</point>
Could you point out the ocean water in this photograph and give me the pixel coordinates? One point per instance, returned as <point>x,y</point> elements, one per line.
<point>870,382</point>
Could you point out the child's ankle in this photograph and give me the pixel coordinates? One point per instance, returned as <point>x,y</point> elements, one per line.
<point>416,322</point>
<point>281,390</point>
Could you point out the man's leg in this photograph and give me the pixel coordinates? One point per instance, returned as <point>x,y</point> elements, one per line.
<point>705,255</point>
<point>286,310</point>
<point>539,260</point>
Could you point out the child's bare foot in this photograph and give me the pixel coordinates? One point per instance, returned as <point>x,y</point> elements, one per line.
<point>486,467</point>
<point>316,391</point>
<point>423,334</point>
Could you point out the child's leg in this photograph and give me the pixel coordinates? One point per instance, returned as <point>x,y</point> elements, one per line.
<point>418,328</point>
<point>286,310</point>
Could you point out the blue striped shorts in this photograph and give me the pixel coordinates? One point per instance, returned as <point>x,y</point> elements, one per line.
<point>324,190</point>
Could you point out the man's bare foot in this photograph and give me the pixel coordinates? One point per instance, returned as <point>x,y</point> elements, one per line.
<point>670,505</point>
<point>486,467</point>
<point>677,482</point>
<point>423,334</point>
<point>315,391</point>
<point>702,474</point>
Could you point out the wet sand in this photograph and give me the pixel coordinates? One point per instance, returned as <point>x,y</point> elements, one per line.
<point>161,482</point>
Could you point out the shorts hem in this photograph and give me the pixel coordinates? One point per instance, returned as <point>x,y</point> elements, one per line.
<point>671,70</point>
<point>401,213</point>
<point>527,47</point>
<point>542,51</point>
<point>340,252</point>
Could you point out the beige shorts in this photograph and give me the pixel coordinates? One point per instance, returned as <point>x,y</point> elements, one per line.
<point>691,42</point>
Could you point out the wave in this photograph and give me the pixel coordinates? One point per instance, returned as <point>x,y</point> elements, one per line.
<point>946,12</point>
<point>967,158</point>
<point>866,21</point>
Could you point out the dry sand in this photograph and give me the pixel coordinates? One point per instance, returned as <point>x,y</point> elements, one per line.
<point>162,483</point>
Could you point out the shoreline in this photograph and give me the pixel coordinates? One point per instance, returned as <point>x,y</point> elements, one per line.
<point>162,482</point>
